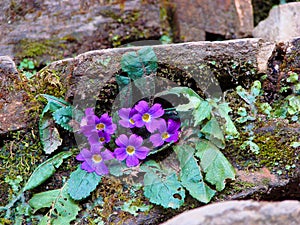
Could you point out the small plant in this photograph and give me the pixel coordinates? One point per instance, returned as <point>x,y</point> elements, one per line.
<point>28,67</point>
<point>127,142</point>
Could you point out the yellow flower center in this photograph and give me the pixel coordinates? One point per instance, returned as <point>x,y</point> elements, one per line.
<point>100,126</point>
<point>165,135</point>
<point>131,121</point>
<point>97,158</point>
<point>130,149</point>
<point>146,117</point>
<point>102,139</point>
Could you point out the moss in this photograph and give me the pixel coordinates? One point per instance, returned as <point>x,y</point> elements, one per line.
<point>39,50</point>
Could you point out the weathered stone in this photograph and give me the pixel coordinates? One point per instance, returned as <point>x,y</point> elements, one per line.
<point>12,108</point>
<point>227,19</point>
<point>283,23</point>
<point>188,57</point>
<point>49,30</point>
<point>241,212</point>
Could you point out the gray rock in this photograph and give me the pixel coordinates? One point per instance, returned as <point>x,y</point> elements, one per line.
<point>228,19</point>
<point>283,23</point>
<point>12,104</point>
<point>51,30</point>
<point>240,213</point>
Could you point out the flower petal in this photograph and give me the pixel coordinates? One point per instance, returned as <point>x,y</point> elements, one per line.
<point>162,127</point>
<point>156,111</point>
<point>142,152</point>
<point>122,141</point>
<point>135,140</point>
<point>120,154</point>
<point>124,113</point>
<point>124,123</point>
<point>156,140</point>
<point>142,107</point>
<point>94,138</point>
<point>173,126</point>
<point>96,149</point>
<point>83,155</point>
<point>173,137</point>
<point>101,169</point>
<point>89,112</point>
<point>132,160</point>
<point>107,155</point>
<point>153,124</point>
<point>138,120</point>
<point>85,166</point>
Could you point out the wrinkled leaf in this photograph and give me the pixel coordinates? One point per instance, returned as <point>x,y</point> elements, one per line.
<point>63,208</point>
<point>45,170</point>
<point>190,174</point>
<point>122,81</point>
<point>214,133</point>
<point>137,64</point>
<point>230,128</point>
<point>53,104</point>
<point>162,188</point>
<point>202,112</point>
<point>49,134</point>
<point>63,116</point>
<point>82,183</point>
<point>192,96</point>
<point>214,164</point>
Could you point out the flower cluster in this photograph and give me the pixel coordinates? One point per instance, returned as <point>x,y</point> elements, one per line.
<point>99,132</point>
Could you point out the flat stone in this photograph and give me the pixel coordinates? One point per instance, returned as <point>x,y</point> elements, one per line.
<point>228,19</point>
<point>241,212</point>
<point>283,23</point>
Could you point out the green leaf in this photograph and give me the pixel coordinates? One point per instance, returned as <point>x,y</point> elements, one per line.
<point>82,183</point>
<point>137,64</point>
<point>214,164</point>
<point>49,134</point>
<point>63,208</point>
<point>202,112</point>
<point>162,188</point>
<point>230,128</point>
<point>45,170</point>
<point>190,174</point>
<point>192,96</point>
<point>295,144</point>
<point>256,88</point>
<point>214,133</point>
<point>63,116</point>
<point>122,81</point>
<point>253,146</point>
<point>294,104</point>
<point>53,104</point>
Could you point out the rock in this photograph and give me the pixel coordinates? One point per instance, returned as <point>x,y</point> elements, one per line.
<point>241,212</point>
<point>208,20</point>
<point>195,58</point>
<point>283,23</point>
<point>49,30</point>
<point>12,104</point>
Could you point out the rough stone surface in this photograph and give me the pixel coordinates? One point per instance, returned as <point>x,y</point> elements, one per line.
<point>12,105</point>
<point>283,23</point>
<point>188,57</point>
<point>58,29</point>
<point>240,213</point>
<point>228,19</point>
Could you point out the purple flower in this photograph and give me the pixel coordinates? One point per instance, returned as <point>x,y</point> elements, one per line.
<point>93,160</point>
<point>126,115</point>
<point>148,116</point>
<point>92,123</point>
<point>130,149</point>
<point>166,133</point>
<point>98,137</point>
